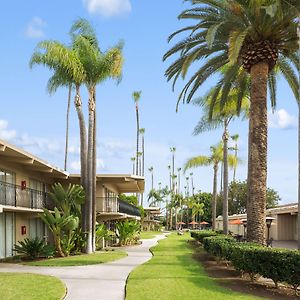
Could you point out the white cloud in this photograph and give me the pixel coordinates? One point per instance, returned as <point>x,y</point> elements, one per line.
<point>5,133</point>
<point>75,165</point>
<point>281,119</point>
<point>108,8</point>
<point>34,29</point>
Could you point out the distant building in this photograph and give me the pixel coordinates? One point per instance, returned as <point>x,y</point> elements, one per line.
<point>25,181</point>
<point>283,226</point>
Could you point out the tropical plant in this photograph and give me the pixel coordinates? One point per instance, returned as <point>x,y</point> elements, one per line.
<point>34,248</point>
<point>215,117</point>
<point>61,225</point>
<point>127,232</point>
<point>68,200</point>
<point>102,233</point>
<point>241,33</point>
<point>136,98</point>
<point>214,159</point>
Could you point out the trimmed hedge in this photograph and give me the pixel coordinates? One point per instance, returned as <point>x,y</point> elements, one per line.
<point>199,235</point>
<point>280,265</point>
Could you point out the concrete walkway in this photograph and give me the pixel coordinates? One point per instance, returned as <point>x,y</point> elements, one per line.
<point>104,281</point>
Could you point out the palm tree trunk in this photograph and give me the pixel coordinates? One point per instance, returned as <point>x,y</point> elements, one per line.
<point>221,181</point>
<point>89,246</point>
<point>225,179</point>
<point>298,31</point>
<point>137,138</point>
<point>83,154</point>
<point>298,217</point>
<point>143,157</point>
<point>235,155</point>
<point>67,126</point>
<point>257,156</point>
<point>94,176</point>
<point>214,197</point>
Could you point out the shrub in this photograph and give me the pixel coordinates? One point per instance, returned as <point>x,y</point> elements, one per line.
<point>127,232</point>
<point>199,235</point>
<point>280,265</point>
<point>34,248</point>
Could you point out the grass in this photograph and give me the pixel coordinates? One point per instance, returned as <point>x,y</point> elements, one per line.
<point>27,286</point>
<point>173,274</point>
<point>79,260</point>
<point>149,234</point>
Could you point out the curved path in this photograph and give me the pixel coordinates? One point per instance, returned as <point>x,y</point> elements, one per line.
<point>104,281</point>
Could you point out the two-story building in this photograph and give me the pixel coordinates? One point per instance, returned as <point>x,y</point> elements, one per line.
<point>25,181</point>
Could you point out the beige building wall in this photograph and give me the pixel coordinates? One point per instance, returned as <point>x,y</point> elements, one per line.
<point>21,220</point>
<point>287,227</point>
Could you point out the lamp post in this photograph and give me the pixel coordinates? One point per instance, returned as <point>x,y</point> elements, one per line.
<point>269,223</point>
<point>245,226</point>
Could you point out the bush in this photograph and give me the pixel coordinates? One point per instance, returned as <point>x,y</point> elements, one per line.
<point>199,235</point>
<point>127,232</point>
<point>34,248</point>
<point>280,265</point>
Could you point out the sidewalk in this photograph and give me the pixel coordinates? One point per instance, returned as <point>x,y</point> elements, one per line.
<point>104,281</point>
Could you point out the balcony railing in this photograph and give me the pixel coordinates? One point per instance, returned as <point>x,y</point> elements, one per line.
<point>112,204</point>
<point>15,195</point>
<point>129,209</point>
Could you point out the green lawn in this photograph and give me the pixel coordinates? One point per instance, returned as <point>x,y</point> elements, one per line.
<point>149,234</point>
<point>25,286</point>
<point>173,274</point>
<point>80,260</point>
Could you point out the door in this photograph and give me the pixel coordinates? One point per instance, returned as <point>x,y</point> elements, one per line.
<point>7,234</point>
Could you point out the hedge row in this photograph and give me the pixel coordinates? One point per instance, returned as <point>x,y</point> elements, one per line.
<point>280,265</point>
<point>200,235</point>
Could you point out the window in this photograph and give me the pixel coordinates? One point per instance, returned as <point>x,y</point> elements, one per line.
<point>7,187</point>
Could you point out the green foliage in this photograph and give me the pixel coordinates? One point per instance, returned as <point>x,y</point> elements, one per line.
<point>280,265</point>
<point>62,227</point>
<point>219,36</point>
<point>131,199</point>
<point>34,248</point>
<point>200,235</point>
<point>103,233</point>
<point>205,199</point>
<point>68,200</point>
<point>237,198</point>
<point>127,232</point>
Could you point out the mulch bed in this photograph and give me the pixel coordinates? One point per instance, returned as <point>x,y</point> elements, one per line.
<point>228,277</point>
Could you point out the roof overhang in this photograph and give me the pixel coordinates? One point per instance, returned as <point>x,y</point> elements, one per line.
<point>8,208</point>
<point>125,183</point>
<point>111,216</point>
<point>16,155</point>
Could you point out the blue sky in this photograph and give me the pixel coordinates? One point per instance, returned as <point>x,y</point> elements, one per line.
<point>35,121</point>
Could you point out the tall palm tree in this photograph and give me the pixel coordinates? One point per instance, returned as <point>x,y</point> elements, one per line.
<point>241,33</point>
<point>235,139</point>
<point>132,159</point>
<point>215,117</point>
<point>99,66</point>
<point>152,179</point>
<point>173,150</point>
<point>214,159</point>
<point>136,98</point>
<point>142,133</point>
<point>192,182</point>
<point>178,176</point>
<point>67,70</point>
